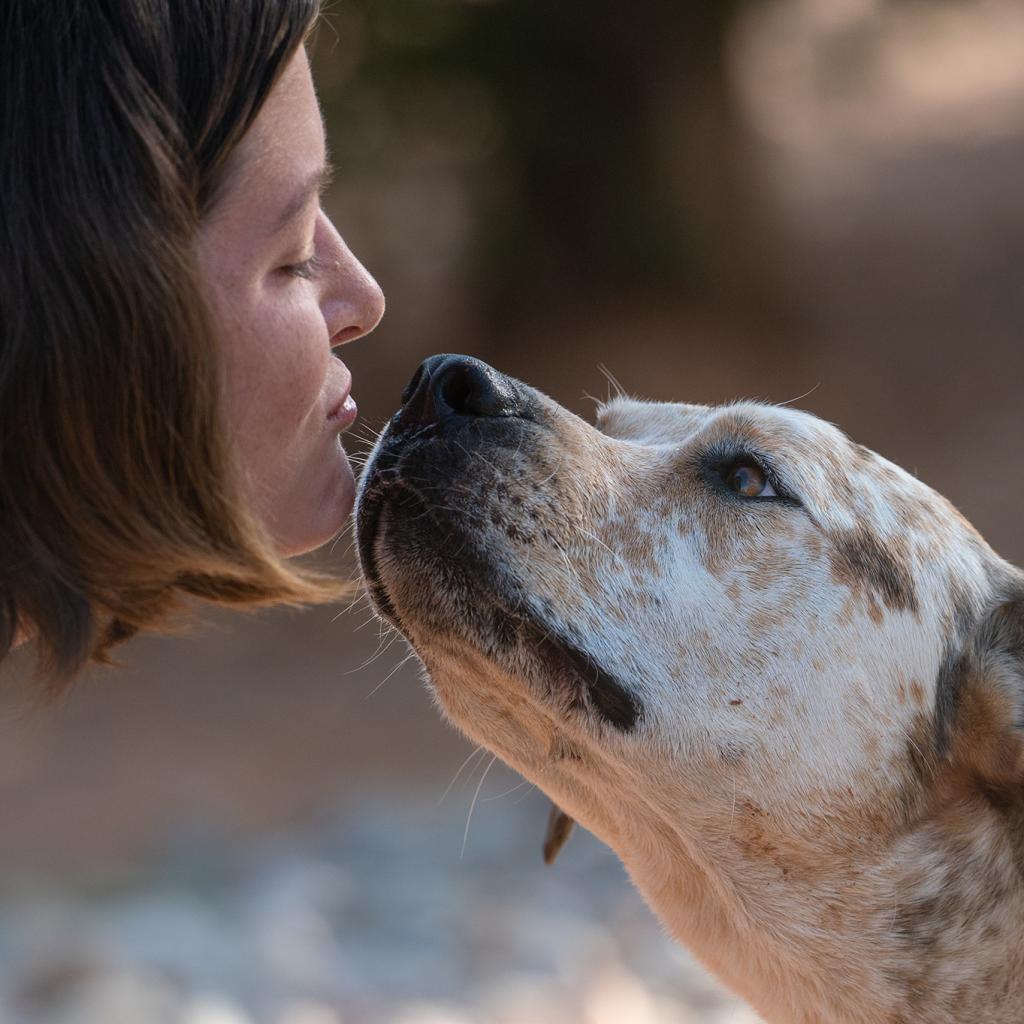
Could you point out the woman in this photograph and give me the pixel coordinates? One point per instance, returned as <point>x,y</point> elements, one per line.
<point>170,295</point>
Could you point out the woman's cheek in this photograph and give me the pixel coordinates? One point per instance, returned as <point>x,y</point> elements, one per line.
<point>276,375</point>
<point>289,352</point>
<point>300,369</point>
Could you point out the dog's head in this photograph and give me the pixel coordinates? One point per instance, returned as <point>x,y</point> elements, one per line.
<point>718,621</point>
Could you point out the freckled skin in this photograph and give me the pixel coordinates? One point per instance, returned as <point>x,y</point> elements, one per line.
<point>823,793</point>
<point>276,329</point>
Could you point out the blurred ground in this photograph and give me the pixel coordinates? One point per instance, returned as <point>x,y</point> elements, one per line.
<point>372,918</point>
<point>888,149</point>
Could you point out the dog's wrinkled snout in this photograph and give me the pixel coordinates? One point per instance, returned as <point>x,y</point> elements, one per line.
<point>449,386</point>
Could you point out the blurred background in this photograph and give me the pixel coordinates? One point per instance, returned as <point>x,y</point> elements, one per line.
<point>817,201</point>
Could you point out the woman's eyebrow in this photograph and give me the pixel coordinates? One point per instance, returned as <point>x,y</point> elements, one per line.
<point>315,183</point>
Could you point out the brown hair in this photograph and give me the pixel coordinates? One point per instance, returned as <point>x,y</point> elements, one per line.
<point>118,491</point>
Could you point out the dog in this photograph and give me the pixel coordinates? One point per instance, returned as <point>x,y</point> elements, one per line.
<point>779,676</point>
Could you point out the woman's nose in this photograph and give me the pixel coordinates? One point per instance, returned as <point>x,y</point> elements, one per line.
<point>353,303</point>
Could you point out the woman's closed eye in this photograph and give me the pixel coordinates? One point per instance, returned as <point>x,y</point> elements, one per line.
<point>308,269</point>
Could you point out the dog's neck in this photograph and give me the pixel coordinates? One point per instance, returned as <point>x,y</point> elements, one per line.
<point>847,932</point>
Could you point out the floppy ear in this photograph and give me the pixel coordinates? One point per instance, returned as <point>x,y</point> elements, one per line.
<point>559,829</point>
<point>987,734</point>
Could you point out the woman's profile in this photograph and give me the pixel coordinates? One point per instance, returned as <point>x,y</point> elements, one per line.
<point>170,296</point>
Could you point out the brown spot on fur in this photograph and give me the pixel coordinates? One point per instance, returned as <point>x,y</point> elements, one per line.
<point>986,738</point>
<point>766,621</point>
<point>864,562</point>
<point>917,692</point>
<point>762,577</point>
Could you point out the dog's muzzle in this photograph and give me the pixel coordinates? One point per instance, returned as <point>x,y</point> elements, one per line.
<point>457,414</point>
<point>440,502</point>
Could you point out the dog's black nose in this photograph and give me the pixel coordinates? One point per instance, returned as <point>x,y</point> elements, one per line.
<point>446,386</point>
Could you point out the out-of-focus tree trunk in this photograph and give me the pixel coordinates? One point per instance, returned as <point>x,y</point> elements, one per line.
<point>622,163</point>
<point>703,154</point>
<point>627,155</point>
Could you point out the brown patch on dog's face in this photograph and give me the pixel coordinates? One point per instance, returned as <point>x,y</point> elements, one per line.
<point>983,726</point>
<point>862,560</point>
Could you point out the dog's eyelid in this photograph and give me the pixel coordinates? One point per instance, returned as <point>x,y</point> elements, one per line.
<point>783,492</point>
<point>767,467</point>
<point>718,461</point>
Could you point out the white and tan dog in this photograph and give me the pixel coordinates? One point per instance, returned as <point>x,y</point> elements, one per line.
<point>779,676</point>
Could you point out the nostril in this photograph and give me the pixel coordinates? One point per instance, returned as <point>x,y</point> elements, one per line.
<point>469,388</point>
<point>454,388</point>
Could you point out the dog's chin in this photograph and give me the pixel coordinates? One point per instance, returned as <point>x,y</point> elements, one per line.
<point>436,579</point>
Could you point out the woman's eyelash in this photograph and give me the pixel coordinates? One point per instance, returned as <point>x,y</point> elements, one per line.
<point>307,269</point>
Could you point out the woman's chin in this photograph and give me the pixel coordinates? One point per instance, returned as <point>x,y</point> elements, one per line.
<point>309,524</point>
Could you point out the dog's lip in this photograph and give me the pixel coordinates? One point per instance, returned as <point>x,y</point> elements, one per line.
<point>372,500</point>
<point>370,509</point>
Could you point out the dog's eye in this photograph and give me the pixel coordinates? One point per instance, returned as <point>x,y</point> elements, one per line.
<point>749,480</point>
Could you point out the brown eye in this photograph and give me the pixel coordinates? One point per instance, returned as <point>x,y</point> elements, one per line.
<point>749,481</point>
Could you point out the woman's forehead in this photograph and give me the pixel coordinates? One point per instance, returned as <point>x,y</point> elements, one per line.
<point>278,166</point>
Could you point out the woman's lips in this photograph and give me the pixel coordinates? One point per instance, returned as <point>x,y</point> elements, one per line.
<point>344,414</point>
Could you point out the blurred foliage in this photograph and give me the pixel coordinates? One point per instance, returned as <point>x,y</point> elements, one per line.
<point>555,114</point>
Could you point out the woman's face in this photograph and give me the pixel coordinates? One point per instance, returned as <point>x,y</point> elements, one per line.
<point>285,290</point>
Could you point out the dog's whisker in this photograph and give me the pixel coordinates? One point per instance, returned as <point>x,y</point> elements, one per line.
<point>362,625</point>
<point>570,568</point>
<point>473,754</point>
<point>472,454</point>
<point>620,391</point>
<point>384,642</point>
<point>472,806</point>
<point>800,398</point>
<point>533,786</point>
<point>347,535</point>
<point>363,597</point>
<point>508,792</point>
<point>405,661</point>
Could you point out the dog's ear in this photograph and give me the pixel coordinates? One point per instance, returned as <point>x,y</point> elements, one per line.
<point>986,727</point>
<point>559,829</point>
